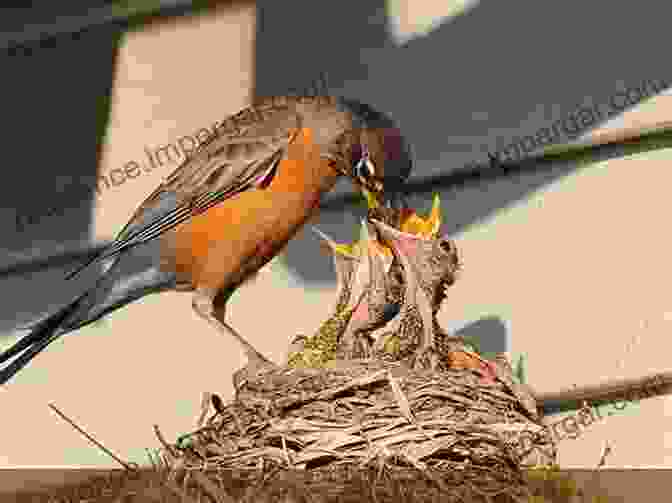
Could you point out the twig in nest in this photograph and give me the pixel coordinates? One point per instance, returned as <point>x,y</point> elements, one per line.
<point>127,466</point>
<point>205,406</point>
<point>403,403</point>
<point>168,448</point>
<point>284,449</point>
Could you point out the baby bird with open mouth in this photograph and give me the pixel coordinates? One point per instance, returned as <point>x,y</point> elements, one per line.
<point>390,286</point>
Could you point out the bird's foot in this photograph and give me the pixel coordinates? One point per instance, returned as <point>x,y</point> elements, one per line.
<point>255,370</point>
<point>203,303</point>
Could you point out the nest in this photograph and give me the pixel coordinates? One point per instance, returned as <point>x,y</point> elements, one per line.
<point>445,431</point>
<point>381,404</point>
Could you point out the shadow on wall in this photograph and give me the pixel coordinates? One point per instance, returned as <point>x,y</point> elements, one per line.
<point>490,333</point>
<point>55,107</point>
<point>55,103</point>
<point>499,71</point>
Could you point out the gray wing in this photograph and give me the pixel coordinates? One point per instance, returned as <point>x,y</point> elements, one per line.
<point>219,169</point>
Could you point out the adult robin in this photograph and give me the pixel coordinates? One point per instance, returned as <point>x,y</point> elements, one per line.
<point>230,207</point>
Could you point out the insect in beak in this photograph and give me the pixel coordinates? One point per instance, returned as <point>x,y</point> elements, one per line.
<point>364,172</point>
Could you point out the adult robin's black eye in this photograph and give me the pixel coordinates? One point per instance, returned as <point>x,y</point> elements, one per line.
<point>360,162</point>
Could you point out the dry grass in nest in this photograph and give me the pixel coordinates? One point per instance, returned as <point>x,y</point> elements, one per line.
<point>447,431</point>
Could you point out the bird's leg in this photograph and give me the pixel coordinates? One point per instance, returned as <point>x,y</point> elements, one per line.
<point>214,313</point>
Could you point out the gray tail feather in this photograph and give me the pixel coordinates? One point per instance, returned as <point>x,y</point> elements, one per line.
<point>41,335</point>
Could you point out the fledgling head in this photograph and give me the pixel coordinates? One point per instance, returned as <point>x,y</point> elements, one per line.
<point>426,257</point>
<point>431,264</point>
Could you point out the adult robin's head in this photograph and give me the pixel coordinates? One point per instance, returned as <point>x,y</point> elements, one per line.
<point>360,142</point>
<point>380,157</point>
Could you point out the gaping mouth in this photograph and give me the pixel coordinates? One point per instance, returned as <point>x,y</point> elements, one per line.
<point>407,222</point>
<point>391,280</point>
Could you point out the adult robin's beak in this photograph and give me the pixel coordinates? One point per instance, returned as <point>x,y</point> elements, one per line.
<point>365,176</point>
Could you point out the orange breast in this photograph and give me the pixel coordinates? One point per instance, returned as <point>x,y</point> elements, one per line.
<point>232,240</point>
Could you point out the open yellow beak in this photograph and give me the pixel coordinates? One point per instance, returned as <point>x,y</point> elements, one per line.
<point>409,223</point>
